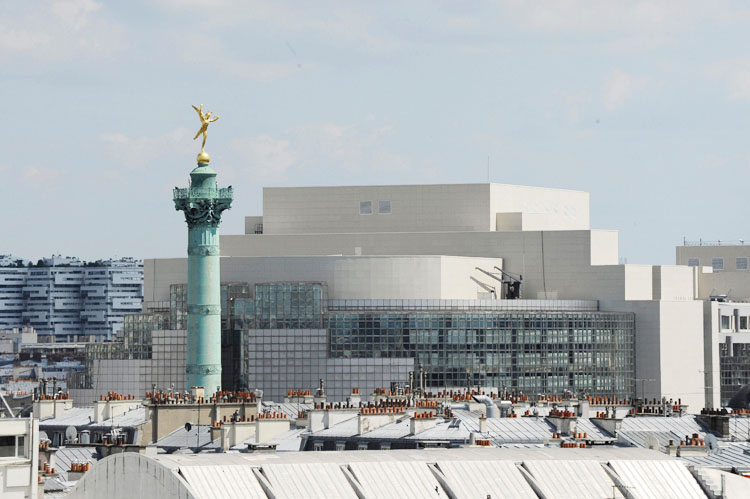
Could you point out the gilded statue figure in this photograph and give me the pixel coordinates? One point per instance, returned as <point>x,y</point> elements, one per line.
<point>205,120</point>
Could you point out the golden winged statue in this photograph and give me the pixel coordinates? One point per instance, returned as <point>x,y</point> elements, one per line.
<point>205,120</point>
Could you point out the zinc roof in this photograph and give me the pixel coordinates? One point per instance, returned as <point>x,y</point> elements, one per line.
<point>220,482</point>
<point>391,431</point>
<point>685,425</point>
<point>344,429</point>
<point>291,409</point>
<point>65,457</point>
<point>582,479</point>
<point>729,455</point>
<point>593,432</point>
<point>308,480</point>
<point>657,479</point>
<point>198,436</point>
<point>396,480</point>
<point>286,442</point>
<point>84,416</point>
<point>514,430</point>
<point>496,479</point>
<point>443,431</point>
<point>646,438</point>
<point>739,428</point>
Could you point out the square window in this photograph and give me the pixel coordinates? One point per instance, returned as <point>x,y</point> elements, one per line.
<point>717,263</point>
<point>725,322</point>
<point>384,207</point>
<point>741,263</point>
<point>693,262</point>
<point>365,207</point>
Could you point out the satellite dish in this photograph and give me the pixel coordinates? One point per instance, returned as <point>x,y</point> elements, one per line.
<point>43,435</point>
<point>188,427</point>
<point>71,434</point>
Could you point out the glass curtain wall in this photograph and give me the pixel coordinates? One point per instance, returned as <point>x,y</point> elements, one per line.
<point>533,351</point>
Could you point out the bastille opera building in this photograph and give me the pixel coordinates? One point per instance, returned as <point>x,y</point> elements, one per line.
<point>489,285</point>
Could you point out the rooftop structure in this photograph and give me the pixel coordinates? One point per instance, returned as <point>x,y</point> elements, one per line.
<point>723,283</point>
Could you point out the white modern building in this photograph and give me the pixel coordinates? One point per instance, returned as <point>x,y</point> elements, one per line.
<point>394,246</point>
<point>723,282</point>
<point>69,300</point>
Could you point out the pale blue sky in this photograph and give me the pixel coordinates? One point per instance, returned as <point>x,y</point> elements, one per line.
<point>646,105</point>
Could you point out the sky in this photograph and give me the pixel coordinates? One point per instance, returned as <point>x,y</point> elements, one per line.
<point>646,105</point>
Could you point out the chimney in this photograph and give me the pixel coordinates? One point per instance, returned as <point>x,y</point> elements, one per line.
<point>482,424</point>
<point>421,422</point>
<point>354,399</point>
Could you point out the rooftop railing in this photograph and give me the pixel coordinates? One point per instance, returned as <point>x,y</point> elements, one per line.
<point>459,305</point>
<point>185,193</point>
<point>718,242</point>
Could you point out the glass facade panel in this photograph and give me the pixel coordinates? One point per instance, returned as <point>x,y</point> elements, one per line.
<point>524,351</point>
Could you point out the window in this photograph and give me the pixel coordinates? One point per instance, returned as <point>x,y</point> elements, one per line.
<point>717,263</point>
<point>724,322</point>
<point>741,263</point>
<point>694,262</point>
<point>743,322</point>
<point>12,446</point>
<point>384,207</point>
<point>365,207</point>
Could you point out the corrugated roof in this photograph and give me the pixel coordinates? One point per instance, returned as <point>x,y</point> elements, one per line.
<point>397,480</point>
<point>308,480</point>
<point>581,479</point>
<point>657,479</point>
<point>496,479</point>
<point>220,482</point>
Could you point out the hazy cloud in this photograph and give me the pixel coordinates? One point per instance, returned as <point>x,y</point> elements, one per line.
<point>139,152</point>
<point>619,87</point>
<point>53,30</point>
<point>328,147</point>
<point>735,75</point>
<point>626,24</point>
<point>266,157</point>
<point>32,176</point>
